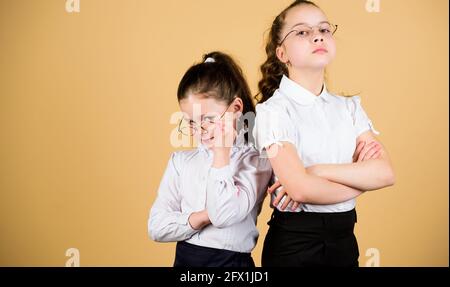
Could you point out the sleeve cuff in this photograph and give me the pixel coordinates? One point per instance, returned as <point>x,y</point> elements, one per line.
<point>183,219</point>
<point>271,142</point>
<point>368,127</point>
<point>372,128</point>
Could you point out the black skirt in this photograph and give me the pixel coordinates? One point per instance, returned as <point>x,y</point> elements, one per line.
<point>190,255</point>
<point>311,239</point>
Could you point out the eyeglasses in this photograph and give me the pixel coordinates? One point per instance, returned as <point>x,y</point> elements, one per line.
<point>304,31</point>
<point>190,127</point>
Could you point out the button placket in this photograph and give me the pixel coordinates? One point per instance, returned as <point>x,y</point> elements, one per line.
<point>204,179</point>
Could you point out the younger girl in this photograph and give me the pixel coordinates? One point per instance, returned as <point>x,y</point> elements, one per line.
<point>209,198</point>
<point>311,138</point>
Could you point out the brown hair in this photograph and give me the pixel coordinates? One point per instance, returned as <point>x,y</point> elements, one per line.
<point>218,76</point>
<point>221,79</point>
<point>272,69</point>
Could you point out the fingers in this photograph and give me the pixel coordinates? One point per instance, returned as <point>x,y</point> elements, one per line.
<point>377,154</point>
<point>286,202</point>
<point>369,155</point>
<point>358,149</point>
<point>279,197</point>
<point>224,134</point>
<point>365,150</point>
<point>295,205</point>
<point>282,194</point>
<point>274,187</point>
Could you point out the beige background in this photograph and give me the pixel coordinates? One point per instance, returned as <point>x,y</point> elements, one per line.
<point>86,98</point>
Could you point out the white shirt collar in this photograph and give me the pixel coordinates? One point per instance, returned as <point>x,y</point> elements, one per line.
<point>299,94</point>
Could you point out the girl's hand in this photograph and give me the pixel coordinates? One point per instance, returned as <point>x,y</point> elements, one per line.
<point>282,193</point>
<point>365,151</point>
<point>199,219</point>
<point>224,136</point>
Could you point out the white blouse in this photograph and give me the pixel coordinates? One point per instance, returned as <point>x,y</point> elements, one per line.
<point>323,128</point>
<point>233,196</point>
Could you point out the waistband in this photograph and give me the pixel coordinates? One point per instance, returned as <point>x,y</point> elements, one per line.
<point>314,220</point>
<point>209,250</point>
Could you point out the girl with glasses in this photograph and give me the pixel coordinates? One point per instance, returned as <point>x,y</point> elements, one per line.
<point>209,197</point>
<point>322,147</point>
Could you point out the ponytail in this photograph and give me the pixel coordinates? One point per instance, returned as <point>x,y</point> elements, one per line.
<point>273,69</point>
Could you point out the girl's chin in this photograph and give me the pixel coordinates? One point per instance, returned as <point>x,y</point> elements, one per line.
<point>314,64</point>
<point>321,63</point>
<point>318,65</point>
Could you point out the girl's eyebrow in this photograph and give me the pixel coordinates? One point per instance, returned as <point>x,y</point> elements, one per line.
<point>302,23</point>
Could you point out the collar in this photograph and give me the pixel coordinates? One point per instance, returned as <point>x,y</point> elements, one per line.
<point>301,95</point>
<point>239,142</point>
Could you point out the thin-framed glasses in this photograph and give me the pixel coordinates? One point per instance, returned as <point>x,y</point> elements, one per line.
<point>190,127</point>
<point>304,31</point>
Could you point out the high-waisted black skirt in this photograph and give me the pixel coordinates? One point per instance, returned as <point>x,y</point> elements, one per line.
<point>311,239</point>
<point>190,255</point>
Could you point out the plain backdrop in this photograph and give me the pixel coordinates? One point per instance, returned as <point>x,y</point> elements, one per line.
<point>86,100</point>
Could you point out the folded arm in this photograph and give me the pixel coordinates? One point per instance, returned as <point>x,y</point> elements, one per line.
<point>167,222</point>
<point>362,174</point>
<point>231,195</point>
<point>302,186</point>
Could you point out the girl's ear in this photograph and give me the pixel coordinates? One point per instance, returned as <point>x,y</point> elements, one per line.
<point>281,54</point>
<point>238,105</point>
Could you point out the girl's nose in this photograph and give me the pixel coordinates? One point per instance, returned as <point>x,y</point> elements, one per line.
<point>318,38</point>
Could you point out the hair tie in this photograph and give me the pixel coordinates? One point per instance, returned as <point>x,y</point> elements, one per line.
<point>210,60</point>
